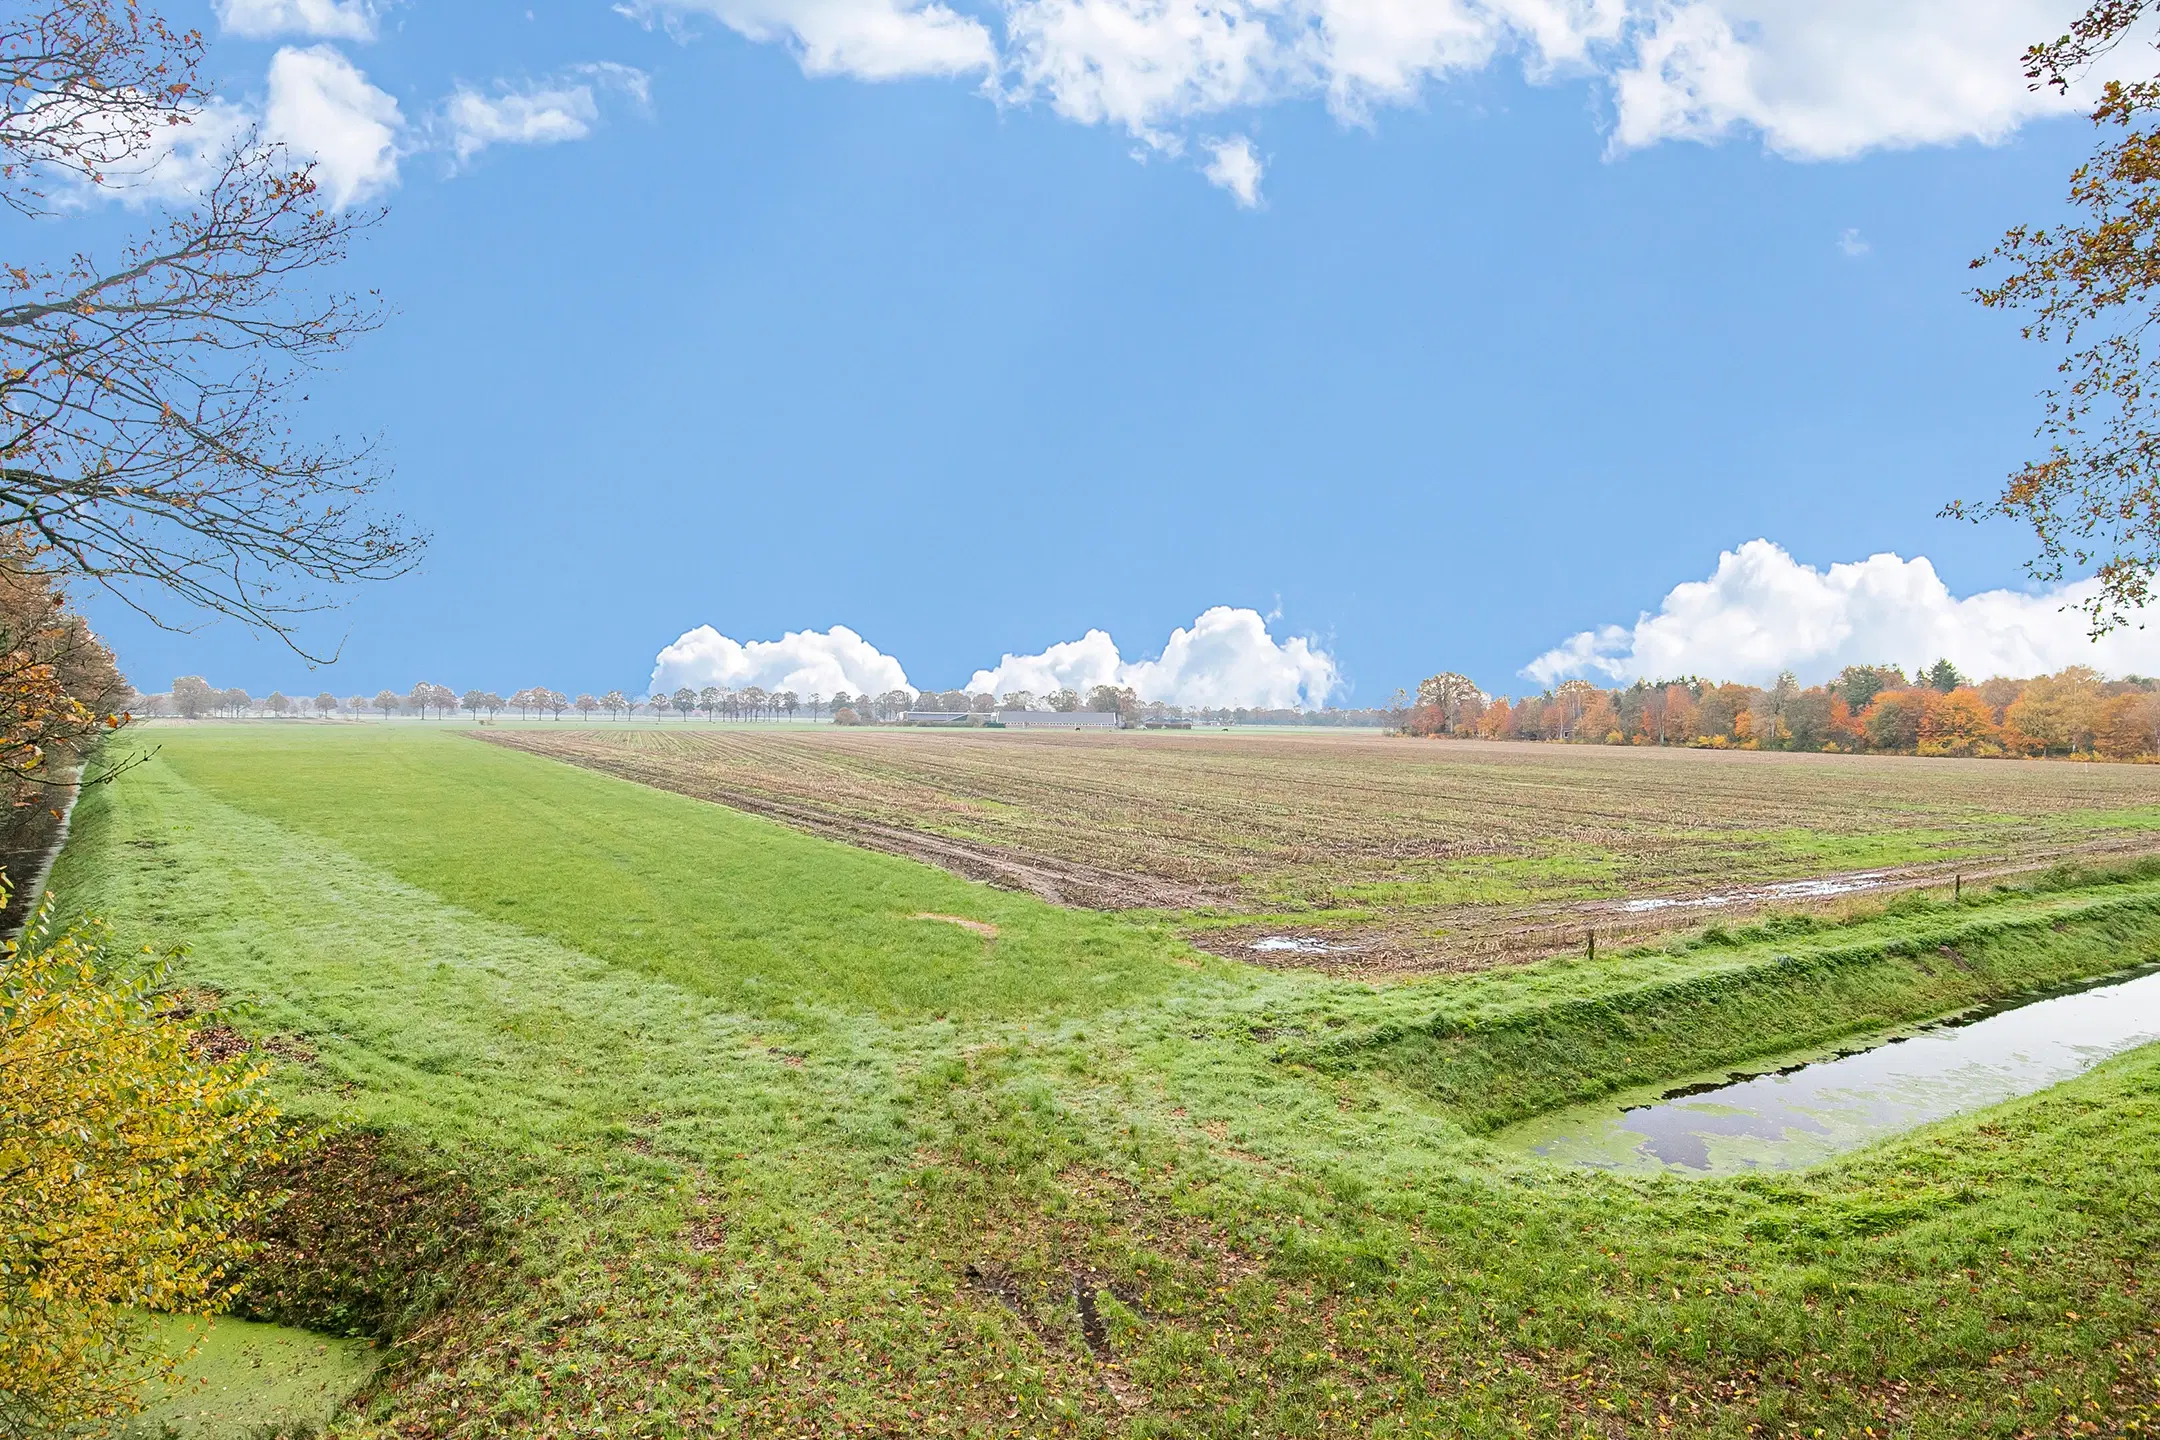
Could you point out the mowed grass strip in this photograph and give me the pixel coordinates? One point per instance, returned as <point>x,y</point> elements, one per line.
<point>837,1218</point>
<point>730,905</point>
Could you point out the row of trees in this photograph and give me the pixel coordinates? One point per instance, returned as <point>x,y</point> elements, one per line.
<point>1870,708</point>
<point>193,698</point>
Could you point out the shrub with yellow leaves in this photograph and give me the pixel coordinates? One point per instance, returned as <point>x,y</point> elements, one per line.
<point>125,1157</point>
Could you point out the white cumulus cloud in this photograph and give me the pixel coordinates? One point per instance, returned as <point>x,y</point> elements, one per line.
<point>322,19</point>
<point>545,113</point>
<point>1826,79</point>
<point>1762,612</point>
<point>1235,168</point>
<point>868,39</point>
<point>1227,657</point>
<point>1811,79</point>
<point>322,107</point>
<point>805,661</point>
<point>177,163</point>
<point>541,115</point>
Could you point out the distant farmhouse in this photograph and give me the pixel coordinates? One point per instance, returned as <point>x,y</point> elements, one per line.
<point>1058,719</point>
<point>1022,719</point>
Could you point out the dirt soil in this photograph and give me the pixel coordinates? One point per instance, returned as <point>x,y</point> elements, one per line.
<point>1367,856</point>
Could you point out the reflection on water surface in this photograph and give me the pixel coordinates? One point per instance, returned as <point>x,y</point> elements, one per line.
<point>1820,1105</point>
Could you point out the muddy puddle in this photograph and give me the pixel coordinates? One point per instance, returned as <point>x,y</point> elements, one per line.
<point>1809,1107</point>
<point>1757,894</point>
<point>1299,945</point>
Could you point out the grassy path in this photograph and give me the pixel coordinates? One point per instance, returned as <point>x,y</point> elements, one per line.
<point>779,1158</point>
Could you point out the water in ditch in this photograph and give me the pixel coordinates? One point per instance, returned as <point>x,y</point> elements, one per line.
<point>1811,1107</point>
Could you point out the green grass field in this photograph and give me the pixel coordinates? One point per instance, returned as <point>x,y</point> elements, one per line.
<point>776,1157</point>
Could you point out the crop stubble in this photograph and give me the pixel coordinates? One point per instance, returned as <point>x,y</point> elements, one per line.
<point>1402,854</point>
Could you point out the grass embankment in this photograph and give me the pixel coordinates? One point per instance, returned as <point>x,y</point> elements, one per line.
<point>777,1158</point>
<point>1497,1050</point>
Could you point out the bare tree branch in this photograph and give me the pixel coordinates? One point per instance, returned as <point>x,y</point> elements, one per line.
<point>146,429</point>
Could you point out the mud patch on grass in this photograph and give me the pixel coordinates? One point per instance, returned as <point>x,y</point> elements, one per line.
<point>980,927</point>
<point>1818,889</point>
<point>705,1234</point>
<point>1037,1305</point>
<point>215,1040</point>
<point>1299,945</point>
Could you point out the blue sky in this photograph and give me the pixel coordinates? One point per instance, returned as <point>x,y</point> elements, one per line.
<point>1490,361</point>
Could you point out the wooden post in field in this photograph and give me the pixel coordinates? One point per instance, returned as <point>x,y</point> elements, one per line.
<point>1957,888</point>
<point>1590,936</point>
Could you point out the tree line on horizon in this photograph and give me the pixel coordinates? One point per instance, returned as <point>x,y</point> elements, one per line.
<point>194,698</point>
<point>1875,709</point>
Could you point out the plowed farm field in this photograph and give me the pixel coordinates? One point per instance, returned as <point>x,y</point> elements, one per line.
<point>1370,854</point>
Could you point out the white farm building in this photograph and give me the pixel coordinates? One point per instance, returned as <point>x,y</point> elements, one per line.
<point>1058,719</point>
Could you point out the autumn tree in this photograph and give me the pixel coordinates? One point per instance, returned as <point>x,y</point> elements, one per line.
<point>1453,699</point>
<point>1600,719</point>
<point>2091,286</point>
<point>616,704</point>
<point>1959,723</point>
<point>586,705</point>
<point>2127,727</point>
<point>122,1152</point>
<point>325,703</point>
<point>387,701</point>
<point>684,700</point>
<point>2055,713</point>
<point>1892,720</point>
<point>1721,709</point>
<point>60,691</point>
